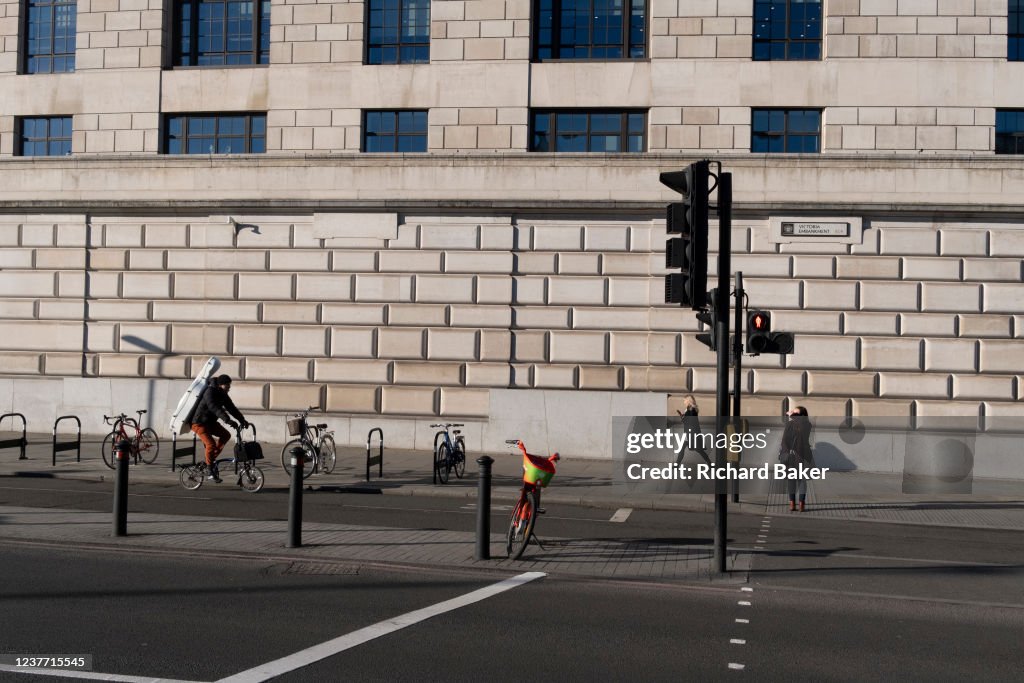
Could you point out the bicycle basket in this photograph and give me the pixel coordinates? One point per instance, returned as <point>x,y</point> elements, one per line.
<point>537,471</point>
<point>296,426</point>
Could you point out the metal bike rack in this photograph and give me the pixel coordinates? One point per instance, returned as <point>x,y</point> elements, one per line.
<point>20,443</point>
<point>377,459</point>
<point>182,452</point>
<point>67,445</point>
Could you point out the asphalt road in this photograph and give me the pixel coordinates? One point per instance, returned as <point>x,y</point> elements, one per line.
<point>199,619</point>
<point>827,600</point>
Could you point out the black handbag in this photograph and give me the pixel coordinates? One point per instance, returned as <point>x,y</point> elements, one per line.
<point>246,451</point>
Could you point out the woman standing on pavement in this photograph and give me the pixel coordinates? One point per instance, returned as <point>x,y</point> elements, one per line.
<point>795,450</point>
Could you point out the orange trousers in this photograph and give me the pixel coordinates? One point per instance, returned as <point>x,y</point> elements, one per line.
<point>214,437</point>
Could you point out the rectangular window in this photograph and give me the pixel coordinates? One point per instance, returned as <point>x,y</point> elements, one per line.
<point>600,130</point>
<point>49,36</point>
<point>786,130</point>
<point>787,29</point>
<point>1010,131</point>
<point>397,31</point>
<point>215,134</point>
<point>221,32</point>
<point>43,136</point>
<point>589,29</point>
<point>1015,32</point>
<point>395,131</point>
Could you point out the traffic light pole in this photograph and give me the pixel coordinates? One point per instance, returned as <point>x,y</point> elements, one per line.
<point>737,372</point>
<point>722,395</point>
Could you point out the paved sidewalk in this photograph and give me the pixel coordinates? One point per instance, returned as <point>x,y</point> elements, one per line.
<point>860,496</point>
<point>332,547</point>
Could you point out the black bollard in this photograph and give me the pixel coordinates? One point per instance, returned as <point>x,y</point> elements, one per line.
<point>483,509</point>
<point>122,451</point>
<point>295,499</point>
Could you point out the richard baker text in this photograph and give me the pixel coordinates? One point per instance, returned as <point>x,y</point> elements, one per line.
<point>707,472</point>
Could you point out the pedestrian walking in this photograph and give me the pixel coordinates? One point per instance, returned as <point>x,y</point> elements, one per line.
<point>691,425</point>
<point>795,450</point>
<point>213,406</point>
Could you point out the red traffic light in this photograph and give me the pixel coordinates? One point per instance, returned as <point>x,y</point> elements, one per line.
<point>760,322</point>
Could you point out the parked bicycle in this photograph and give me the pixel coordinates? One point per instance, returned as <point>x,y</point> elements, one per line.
<point>449,451</point>
<point>316,441</point>
<point>250,477</point>
<point>145,444</point>
<point>537,474</point>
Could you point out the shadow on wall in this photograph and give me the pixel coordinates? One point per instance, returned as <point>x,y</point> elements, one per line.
<point>827,455</point>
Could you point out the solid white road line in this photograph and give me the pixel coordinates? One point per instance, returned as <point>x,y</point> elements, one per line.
<point>340,644</point>
<point>621,515</point>
<point>90,675</point>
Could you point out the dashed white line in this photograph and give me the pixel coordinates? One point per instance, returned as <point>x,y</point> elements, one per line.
<point>743,621</point>
<point>745,603</point>
<point>737,641</point>
<point>621,515</point>
<point>747,589</point>
<point>737,667</point>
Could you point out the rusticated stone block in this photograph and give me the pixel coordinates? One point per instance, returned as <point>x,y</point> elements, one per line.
<point>928,325</point>
<point>600,378</point>
<point>768,381</point>
<point>950,355</point>
<point>408,400</point>
<point>255,340</point>
<point>306,340</point>
<point>211,339</point>
<point>468,402</point>
<point>488,375</point>
<point>893,408</point>
<point>984,387</point>
<point>352,398</point>
<point>889,296</point>
<point>284,396</point>
<point>870,323</point>
<point>1003,297</point>
<point>955,298</point>
<point>431,374</point>
<point>979,326</point>
<point>577,347</point>
<point>480,316</point>
<point>353,342</point>
<point>353,314</point>
<point>352,371</point>
<point>881,353</point>
<point>838,353</point>
<point>925,268</point>
<point>452,344</point>
<point>417,315</point>
<point>1001,356</point>
<point>830,295</point>
<point>554,376</point>
<point>444,288</point>
<point>393,343</point>
<point>913,385</point>
<point>824,383</point>
<point>277,369</point>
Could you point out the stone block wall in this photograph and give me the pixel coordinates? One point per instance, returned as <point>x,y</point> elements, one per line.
<point>479,30</point>
<point>701,29</point>
<point>921,318</point>
<point>917,29</point>
<point>907,129</point>
<point>304,32</point>
<point>10,23</point>
<point>119,34</point>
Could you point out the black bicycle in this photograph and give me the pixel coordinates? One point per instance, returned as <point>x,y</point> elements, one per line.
<point>449,451</point>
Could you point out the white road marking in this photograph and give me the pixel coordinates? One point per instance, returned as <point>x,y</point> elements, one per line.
<point>743,621</point>
<point>330,648</point>
<point>745,603</point>
<point>747,589</point>
<point>133,495</point>
<point>621,515</point>
<point>737,641</point>
<point>90,675</point>
<point>737,667</point>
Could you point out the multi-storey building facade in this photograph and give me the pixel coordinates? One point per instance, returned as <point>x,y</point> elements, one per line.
<point>410,209</point>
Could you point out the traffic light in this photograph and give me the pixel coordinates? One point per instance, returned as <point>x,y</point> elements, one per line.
<point>759,325</point>
<point>761,339</point>
<point>689,251</point>
<point>709,317</point>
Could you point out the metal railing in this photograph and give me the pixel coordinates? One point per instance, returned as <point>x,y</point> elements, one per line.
<point>20,443</point>
<point>376,459</point>
<point>67,445</point>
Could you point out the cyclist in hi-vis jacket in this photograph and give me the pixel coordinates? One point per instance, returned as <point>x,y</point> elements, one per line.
<point>216,404</point>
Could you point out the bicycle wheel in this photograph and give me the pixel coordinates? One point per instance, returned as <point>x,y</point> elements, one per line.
<point>328,455</point>
<point>443,462</point>
<point>191,477</point>
<point>250,478</point>
<point>148,445</point>
<point>108,450</point>
<point>459,457</point>
<point>310,457</point>
<point>520,526</point>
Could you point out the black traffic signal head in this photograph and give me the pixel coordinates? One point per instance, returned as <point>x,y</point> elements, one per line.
<point>759,327</point>
<point>689,251</point>
<point>761,339</point>
<point>709,317</point>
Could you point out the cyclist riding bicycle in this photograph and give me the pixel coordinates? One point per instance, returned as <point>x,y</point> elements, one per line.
<point>216,404</point>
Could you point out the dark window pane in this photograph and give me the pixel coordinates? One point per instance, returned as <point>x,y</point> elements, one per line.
<point>787,30</point>
<point>215,134</point>
<point>602,131</point>
<point>590,29</point>
<point>44,136</point>
<point>397,31</point>
<point>50,32</point>
<point>395,131</point>
<point>782,130</point>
